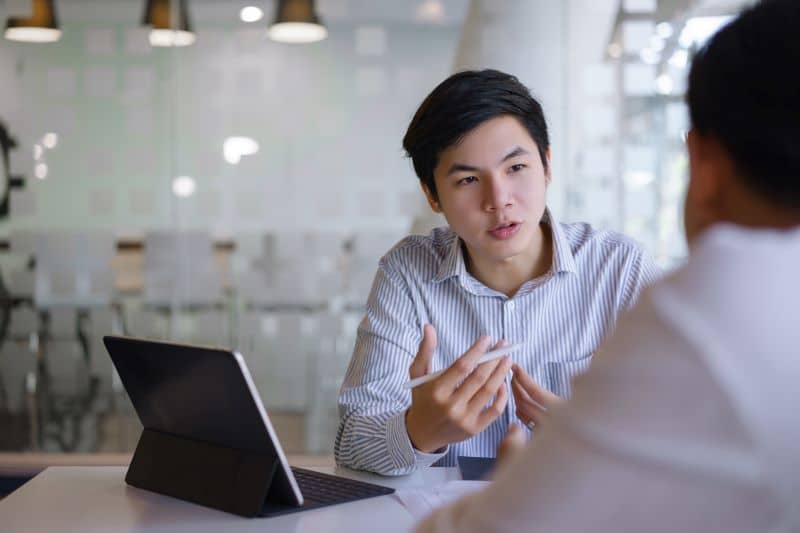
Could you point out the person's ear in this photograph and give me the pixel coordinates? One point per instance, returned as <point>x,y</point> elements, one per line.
<point>548,173</point>
<point>432,201</point>
<point>705,173</point>
<point>705,202</point>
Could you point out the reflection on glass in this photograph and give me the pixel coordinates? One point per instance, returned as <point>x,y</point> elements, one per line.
<point>251,14</point>
<point>183,186</point>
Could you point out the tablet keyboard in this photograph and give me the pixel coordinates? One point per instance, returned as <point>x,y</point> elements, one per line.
<point>326,489</point>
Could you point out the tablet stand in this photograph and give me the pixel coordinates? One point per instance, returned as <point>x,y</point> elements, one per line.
<point>231,480</point>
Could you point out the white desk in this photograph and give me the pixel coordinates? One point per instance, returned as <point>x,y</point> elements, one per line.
<point>96,498</point>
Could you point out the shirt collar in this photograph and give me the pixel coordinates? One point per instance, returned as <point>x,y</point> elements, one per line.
<point>453,263</point>
<point>563,258</point>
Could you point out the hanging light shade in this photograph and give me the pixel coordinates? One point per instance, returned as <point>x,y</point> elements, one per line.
<point>40,27</point>
<point>296,21</point>
<point>164,31</point>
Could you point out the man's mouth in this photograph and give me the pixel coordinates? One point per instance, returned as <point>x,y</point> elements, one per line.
<point>504,230</point>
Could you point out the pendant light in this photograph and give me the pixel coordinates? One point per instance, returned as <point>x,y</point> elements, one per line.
<point>296,21</point>
<point>158,14</point>
<point>40,27</point>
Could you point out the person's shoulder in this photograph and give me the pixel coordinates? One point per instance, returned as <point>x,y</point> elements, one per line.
<point>751,263</point>
<point>584,237</point>
<point>422,253</point>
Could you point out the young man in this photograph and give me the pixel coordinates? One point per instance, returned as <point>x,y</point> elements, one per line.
<point>504,269</point>
<point>689,422</point>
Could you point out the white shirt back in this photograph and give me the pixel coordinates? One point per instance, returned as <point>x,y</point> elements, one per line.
<point>687,419</point>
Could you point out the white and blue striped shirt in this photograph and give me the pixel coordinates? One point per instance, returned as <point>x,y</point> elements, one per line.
<point>560,318</point>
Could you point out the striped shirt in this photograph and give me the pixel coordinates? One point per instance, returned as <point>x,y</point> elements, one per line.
<point>560,318</point>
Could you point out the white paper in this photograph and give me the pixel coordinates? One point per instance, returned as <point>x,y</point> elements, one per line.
<point>421,502</point>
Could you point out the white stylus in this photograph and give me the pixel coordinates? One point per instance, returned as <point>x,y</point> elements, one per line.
<point>488,356</point>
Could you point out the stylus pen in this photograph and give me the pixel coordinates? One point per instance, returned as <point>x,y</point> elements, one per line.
<point>488,356</point>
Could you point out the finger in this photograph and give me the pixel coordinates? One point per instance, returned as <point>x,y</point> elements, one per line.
<point>490,388</point>
<point>422,362</point>
<point>491,413</point>
<point>536,392</point>
<point>530,414</point>
<point>512,443</point>
<point>522,397</point>
<point>520,393</point>
<point>459,370</point>
<point>477,378</point>
<point>527,410</point>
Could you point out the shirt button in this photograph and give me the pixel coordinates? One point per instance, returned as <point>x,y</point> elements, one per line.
<point>510,305</point>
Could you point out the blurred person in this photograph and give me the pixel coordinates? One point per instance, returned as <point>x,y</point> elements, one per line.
<point>688,422</point>
<point>504,269</point>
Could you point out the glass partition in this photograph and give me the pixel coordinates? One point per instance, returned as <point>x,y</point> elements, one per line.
<point>239,191</point>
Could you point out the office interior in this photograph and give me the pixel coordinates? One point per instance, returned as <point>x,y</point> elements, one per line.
<point>206,183</point>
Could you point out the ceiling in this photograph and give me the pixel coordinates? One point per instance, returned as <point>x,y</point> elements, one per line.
<point>227,11</point>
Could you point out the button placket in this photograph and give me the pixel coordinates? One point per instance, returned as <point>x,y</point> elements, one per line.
<point>508,330</point>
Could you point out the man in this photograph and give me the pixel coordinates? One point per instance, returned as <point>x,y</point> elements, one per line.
<point>505,269</point>
<point>688,422</point>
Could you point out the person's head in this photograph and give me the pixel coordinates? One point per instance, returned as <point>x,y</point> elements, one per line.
<point>479,145</point>
<point>744,104</point>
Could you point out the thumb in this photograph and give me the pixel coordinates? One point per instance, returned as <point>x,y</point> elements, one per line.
<point>512,443</point>
<point>427,346</point>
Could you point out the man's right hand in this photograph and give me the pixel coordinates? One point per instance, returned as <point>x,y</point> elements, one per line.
<point>453,407</point>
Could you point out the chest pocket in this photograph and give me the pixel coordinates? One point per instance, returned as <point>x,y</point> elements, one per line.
<point>560,374</point>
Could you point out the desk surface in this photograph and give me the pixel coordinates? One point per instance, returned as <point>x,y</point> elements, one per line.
<point>96,498</point>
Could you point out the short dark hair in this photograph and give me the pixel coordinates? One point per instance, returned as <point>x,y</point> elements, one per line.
<point>459,104</point>
<point>744,91</point>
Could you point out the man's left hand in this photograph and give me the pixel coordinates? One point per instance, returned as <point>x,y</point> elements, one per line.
<point>532,400</point>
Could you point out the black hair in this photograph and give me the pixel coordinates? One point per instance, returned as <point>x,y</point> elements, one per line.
<point>744,91</point>
<point>459,104</point>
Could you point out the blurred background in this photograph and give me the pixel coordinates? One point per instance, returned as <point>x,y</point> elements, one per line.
<point>176,170</point>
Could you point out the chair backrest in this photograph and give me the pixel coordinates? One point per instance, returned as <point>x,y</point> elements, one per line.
<point>74,269</point>
<point>180,268</point>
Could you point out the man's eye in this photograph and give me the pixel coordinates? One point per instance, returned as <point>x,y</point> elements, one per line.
<point>517,167</point>
<point>468,179</point>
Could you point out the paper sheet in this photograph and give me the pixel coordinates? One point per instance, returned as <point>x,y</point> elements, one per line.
<point>421,502</point>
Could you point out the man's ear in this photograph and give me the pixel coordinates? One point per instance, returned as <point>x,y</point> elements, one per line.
<point>432,201</point>
<point>548,174</point>
<point>705,173</point>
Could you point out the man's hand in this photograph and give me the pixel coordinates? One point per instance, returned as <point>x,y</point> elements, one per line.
<point>452,407</point>
<point>532,400</point>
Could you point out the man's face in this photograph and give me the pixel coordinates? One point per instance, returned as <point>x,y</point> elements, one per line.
<point>491,189</point>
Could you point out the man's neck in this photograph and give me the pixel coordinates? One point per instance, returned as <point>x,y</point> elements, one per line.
<point>508,276</point>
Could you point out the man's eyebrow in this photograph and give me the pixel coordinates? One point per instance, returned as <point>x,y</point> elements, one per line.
<point>514,153</point>
<point>460,167</point>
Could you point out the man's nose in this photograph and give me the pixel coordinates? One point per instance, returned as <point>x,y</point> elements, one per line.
<point>497,194</point>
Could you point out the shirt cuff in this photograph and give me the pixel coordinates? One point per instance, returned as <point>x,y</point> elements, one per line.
<point>403,453</point>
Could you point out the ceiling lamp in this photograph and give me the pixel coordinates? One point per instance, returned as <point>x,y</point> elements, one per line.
<point>296,22</point>
<point>40,27</point>
<point>159,15</point>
